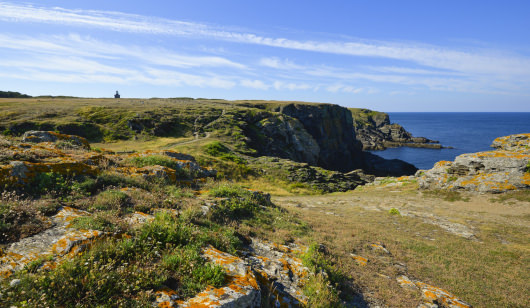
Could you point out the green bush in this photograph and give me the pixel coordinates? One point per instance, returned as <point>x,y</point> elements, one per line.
<point>318,289</point>
<point>50,182</point>
<point>110,200</point>
<point>238,203</point>
<point>218,149</point>
<point>394,211</point>
<point>320,294</point>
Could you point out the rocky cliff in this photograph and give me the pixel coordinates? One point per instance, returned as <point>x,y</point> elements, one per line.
<point>330,126</point>
<point>503,169</point>
<point>374,130</point>
<point>321,135</point>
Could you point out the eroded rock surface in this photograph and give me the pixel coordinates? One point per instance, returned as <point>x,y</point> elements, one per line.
<point>268,274</point>
<point>27,161</point>
<point>503,169</point>
<point>50,245</point>
<point>433,297</point>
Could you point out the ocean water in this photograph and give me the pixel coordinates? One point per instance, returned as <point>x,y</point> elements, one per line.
<point>466,132</point>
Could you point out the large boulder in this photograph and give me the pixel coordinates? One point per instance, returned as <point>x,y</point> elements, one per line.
<point>506,168</point>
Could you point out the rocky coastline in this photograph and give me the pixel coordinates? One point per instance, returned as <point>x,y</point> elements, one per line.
<point>375,132</point>
<point>503,169</point>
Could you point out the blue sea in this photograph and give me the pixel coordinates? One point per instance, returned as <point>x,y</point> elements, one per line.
<point>466,132</point>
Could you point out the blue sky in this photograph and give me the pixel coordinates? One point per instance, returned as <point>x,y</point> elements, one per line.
<point>382,55</point>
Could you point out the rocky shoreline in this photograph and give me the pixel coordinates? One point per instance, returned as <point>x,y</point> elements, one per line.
<point>503,169</point>
<point>375,131</point>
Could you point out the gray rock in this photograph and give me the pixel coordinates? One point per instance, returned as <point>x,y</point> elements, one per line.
<point>493,171</point>
<point>15,282</point>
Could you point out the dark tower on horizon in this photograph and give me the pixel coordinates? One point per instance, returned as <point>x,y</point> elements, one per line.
<point>117,95</point>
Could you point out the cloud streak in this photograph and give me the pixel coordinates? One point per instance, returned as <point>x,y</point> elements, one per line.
<point>477,62</point>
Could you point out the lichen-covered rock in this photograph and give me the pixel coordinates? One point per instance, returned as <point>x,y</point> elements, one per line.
<point>268,271</point>
<point>432,296</point>
<point>280,272</point>
<point>48,136</point>
<point>26,161</point>
<point>493,171</point>
<point>52,244</point>
<point>241,288</point>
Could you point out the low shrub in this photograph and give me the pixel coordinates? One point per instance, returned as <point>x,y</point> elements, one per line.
<point>394,211</point>
<point>217,149</point>
<point>319,289</point>
<point>160,160</point>
<point>110,200</point>
<point>237,203</point>
<point>103,221</point>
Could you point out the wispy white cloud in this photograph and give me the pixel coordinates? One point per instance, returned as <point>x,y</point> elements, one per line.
<point>277,63</point>
<point>471,62</point>
<point>343,88</point>
<point>254,84</point>
<point>84,46</point>
<point>282,85</point>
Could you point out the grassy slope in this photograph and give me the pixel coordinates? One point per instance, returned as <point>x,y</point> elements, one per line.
<point>491,272</point>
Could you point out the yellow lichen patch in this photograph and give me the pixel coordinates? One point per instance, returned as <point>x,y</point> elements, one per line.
<point>525,180</point>
<point>502,153</point>
<point>405,282</point>
<point>361,261</point>
<point>442,163</point>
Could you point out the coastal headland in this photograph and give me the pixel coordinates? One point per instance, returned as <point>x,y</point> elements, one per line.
<point>212,203</point>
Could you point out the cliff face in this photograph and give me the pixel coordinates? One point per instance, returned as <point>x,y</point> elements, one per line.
<point>321,135</point>
<point>331,128</point>
<point>374,130</point>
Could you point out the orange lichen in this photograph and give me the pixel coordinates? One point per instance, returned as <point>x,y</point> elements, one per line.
<point>361,261</point>
<point>442,163</point>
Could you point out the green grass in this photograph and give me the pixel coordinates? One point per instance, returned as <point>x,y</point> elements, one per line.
<point>126,272</point>
<point>519,195</point>
<point>237,203</point>
<point>110,200</point>
<point>217,149</point>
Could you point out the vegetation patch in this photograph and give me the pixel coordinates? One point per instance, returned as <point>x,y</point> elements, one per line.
<point>220,150</point>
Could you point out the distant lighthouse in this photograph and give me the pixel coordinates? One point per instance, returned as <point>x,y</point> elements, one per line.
<point>117,95</point>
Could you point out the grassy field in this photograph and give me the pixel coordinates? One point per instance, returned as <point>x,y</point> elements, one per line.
<point>490,269</point>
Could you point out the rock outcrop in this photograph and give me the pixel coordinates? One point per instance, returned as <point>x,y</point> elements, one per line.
<point>374,130</point>
<point>506,168</point>
<point>28,161</point>
<point>433,297</point>
<point>331,127</point>
<point>314,177</point>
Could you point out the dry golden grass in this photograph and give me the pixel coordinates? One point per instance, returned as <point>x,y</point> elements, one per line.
<point>490,270</point>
